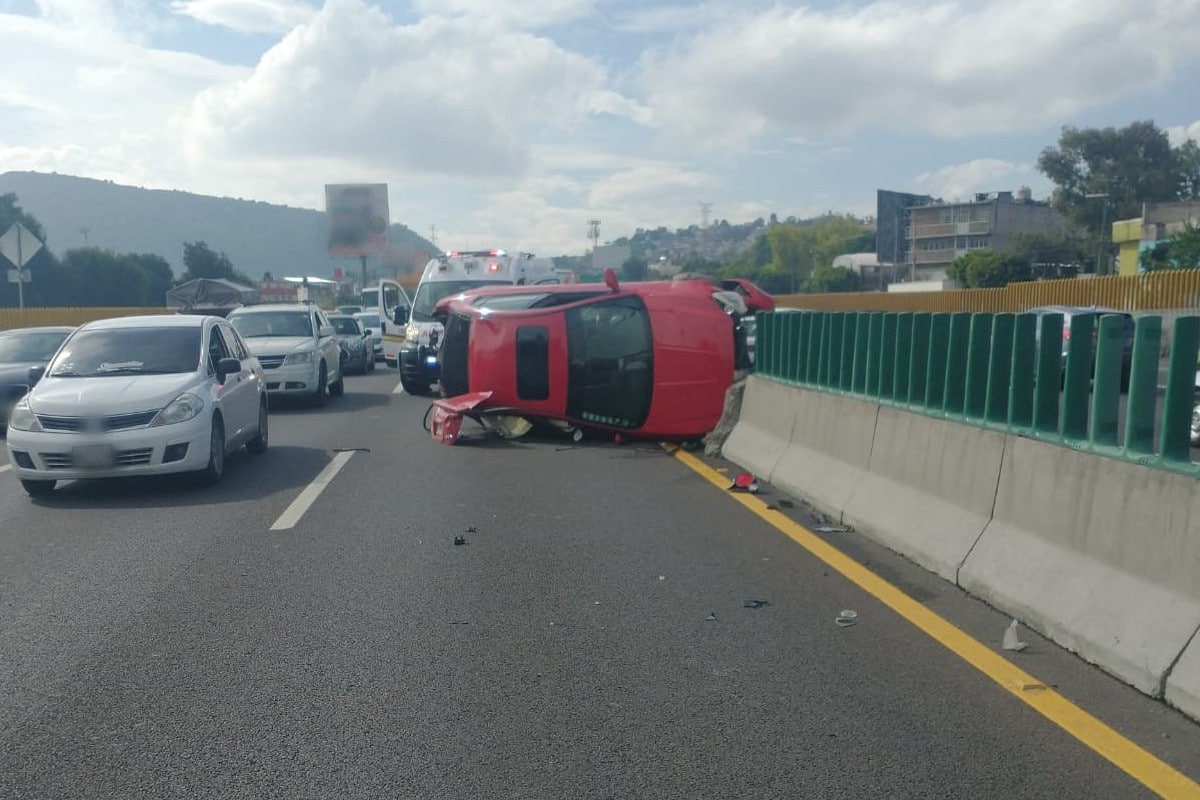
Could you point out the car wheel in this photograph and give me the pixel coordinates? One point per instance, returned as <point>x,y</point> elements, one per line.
<point>258,444</point>
<point>215,470</point>
<point>338,387</point>
<point>321,396</point>
<point>414,388</point>
<point>37,488</point>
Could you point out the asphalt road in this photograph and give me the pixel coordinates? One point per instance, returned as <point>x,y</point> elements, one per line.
<point>162,641</point>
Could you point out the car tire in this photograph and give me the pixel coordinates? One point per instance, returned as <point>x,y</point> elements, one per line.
<point>371,364</point>
<point>258,444</point>
<point>36,488</point>
<point>321,396</point>
<point>338,387</point>
<point>215,469</point>
<point>414,388</point>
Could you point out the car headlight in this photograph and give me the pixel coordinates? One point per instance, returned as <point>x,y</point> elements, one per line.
<point>412,332</point>
<point>22,418</point>
<point>303,357</point>
<point>181,409</point>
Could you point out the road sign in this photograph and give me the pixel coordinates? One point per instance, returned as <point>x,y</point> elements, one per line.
<point>19,276</point>
<point>19,245</point>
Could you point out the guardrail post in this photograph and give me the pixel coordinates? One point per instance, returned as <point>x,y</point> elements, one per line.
<point>1106,387</point>
<point>1174,445</point>
<point>999,374</point>
<point>1048,384</point>
<point>1076,378</point>
<point>902,360</point>
<point>874,352</point>
<point>815,332</point>
<point>887,357</point>
<point>954,398</point>
<point>918,360</point>
<point>862,324</point>
<point>1024,359</point>
<point>939,360</point>
<point>1143,386</point>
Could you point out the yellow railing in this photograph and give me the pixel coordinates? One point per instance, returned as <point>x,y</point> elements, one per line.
<point>1175,289</point>
<point>32,317</point>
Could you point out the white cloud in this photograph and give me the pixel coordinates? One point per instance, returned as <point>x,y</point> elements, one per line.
<point>247,16</point>
<point>951,68</point>
<point>518,13</point>
<point>423,98</point>
<point>1178,134</point>
<point>959,181</point>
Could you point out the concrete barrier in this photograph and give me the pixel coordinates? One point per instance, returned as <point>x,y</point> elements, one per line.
<point>1100,555</point>
<point>829,451</point>
<point>764,426</point>
<point>1183,684</point>
<point>929,488</point>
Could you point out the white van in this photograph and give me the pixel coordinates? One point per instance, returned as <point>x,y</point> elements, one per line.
<point>452,273</point>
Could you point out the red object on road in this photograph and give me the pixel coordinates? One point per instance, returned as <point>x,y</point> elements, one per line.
<point>446,416</point>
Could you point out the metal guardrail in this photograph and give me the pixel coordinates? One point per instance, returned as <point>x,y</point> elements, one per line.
<point>1001,371</point>
<point>32,317</point>
<point>1173,289</point>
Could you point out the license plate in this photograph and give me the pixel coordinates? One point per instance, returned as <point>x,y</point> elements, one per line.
<point>93,456</point>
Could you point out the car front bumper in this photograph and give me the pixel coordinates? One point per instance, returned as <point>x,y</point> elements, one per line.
<point>291,379</point>
<point>420,364</point>
<point>45,455</point>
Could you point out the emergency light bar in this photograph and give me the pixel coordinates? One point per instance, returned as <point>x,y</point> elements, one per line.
<point>494,253</point>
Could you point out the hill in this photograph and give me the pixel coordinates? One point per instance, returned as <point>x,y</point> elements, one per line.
<point>258,237</point>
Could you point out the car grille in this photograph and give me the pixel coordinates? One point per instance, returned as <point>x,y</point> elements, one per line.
<point>122,458</point>
<point>271,362</point>
<point>455,349</point>
<point>116,422</point>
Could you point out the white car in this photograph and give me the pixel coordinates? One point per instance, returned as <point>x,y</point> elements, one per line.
<point>372,322</point>
<point>297,347</point>
<point>139,396</point>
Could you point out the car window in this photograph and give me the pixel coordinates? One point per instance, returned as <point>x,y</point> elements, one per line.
<point>232,344</point>
<point>128,351</point>
<point>429,293</point>
<point>370,321</point>
<point>216,348</point>
<point>533,362</point>
<point>272,323</point>
<point>29,346</point>
<point>610,379</point>
<point>346,326</point>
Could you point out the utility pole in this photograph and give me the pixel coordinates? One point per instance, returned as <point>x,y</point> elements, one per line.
<point>594,235</point>
<point>433,235</point>
<point>1103,222</point>
<point>705,209</point>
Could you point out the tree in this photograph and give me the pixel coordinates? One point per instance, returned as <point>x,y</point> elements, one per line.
<point>200,261</point>
<point>1181,251</point>
<point>1188,155</point>
<point>827,278</point>
<point>634,269</point>
<point>984,269</point>
<point>1052,255</point>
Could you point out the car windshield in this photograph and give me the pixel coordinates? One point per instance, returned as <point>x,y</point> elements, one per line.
<point>610,380</point>
<point>345,326</point>
<point>128,351</point>
<point>272,323</point>
<point>370,320</point>
<point>428,295</point>
<point>29,346</point>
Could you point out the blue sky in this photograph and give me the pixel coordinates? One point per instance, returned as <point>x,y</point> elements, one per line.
<point>510,123</point>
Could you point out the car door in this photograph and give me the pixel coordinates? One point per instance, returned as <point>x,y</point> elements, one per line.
<point>328,344</point>
<point>239,387</point>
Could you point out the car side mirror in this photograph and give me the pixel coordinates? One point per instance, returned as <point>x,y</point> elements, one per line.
<point>400,316</point>
<point>226,367</point>
<point>326,330</point>
<point>36,374</point>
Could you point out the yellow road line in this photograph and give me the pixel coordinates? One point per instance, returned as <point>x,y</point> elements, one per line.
<point>1152,772</point>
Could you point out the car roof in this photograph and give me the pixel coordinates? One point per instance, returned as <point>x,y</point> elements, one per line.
<point>643,289</point>
<point>149,321</point>
<point>40,329</point>
<point>272,307</point>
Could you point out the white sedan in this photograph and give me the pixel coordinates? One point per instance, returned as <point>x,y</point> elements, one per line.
<point>140,396</point>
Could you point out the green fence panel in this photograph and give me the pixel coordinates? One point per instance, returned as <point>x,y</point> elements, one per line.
<point>794,335</point>
<point>1103,424</point>
<point>939,360</point>
<point>978,361</point>
<point>1142,397</point>
<point>778,335</point>
<point>954,396</point>
<point>816,333</point>
<point>887,357</point>
<point>1077,378</point>
<point>1022,371</point>
<point>762,342</point>
<point>1048,382</point>
<point>918,363</point>
<point>902,360</point>
<point>849,349</point>
<point>874,353</point>
<point>1181,382</point>
<point>831,351</point>
<point>999,377</point>
<point>862,331</point>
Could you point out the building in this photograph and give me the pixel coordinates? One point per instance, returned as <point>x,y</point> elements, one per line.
<point>941,232</point>
<point>1158,222</point>
<point>892,212</point>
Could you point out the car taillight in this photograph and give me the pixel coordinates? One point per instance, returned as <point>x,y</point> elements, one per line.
<point>493,267</point>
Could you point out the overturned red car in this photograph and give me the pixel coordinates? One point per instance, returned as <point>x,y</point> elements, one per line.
<point>649,359</point>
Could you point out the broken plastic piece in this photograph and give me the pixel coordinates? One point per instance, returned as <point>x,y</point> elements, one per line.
<point>472,529</point>
<point>1011,641</point>
<point>786,504</point>
<point>833,529</point>
<point>751,603</point>
<point>746,482</point>
<point>577,435</point>
<point>459,540</point>
<point>846,618</point>
<point>712,617</point>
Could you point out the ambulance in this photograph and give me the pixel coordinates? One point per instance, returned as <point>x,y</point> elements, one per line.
<point>452,273</point>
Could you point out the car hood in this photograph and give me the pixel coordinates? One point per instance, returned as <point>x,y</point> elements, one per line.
<point>278,345</point>
<point>17,372</point>
<point>114,394</point>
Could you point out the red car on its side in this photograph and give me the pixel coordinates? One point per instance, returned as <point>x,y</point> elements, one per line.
<point>646,359</point>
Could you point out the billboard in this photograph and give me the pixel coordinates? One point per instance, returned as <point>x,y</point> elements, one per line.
<point>358,219</point>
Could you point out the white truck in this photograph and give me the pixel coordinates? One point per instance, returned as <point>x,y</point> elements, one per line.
<point>450,273</point>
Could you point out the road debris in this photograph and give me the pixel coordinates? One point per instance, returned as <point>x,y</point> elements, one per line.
<point>745,482</point>
<point>351,449</point>
<point>460,540</point>
<point>712,617</point>
<point>834,529</point>
<point>1011,640</point>
<point>472,529</point>
<point>846,618</point>
<point>786,504</point>
<point>752,603</point>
